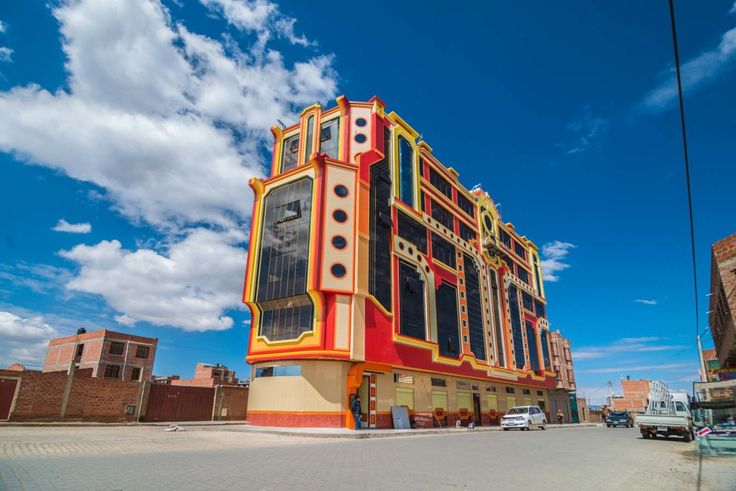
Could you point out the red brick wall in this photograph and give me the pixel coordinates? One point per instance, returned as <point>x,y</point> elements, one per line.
<point>235,400</point>
<point>90,399</point>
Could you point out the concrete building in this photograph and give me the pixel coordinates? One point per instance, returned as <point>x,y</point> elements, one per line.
<point>583,413</point>
<point>109,354</point>
<point>565,386</point>
<point>710,360</point>
<point>635,396</point>
<point>206,375</point>
<point>373,270</point>
<point>723,301</point>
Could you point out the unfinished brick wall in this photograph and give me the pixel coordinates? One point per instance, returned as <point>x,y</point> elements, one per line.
<point>41,396</point>
<point>232,399</point>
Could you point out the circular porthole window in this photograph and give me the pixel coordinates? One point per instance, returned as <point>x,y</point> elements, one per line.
<point>488,223</point>
<point>341,190</point>
<point>338,270</point>
<point>340,216</point>
<point>360,138</point>
<point>361,122</point>
<point>339,242</point>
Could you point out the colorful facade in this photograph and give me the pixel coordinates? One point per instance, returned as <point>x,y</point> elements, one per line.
<point>371,269</point>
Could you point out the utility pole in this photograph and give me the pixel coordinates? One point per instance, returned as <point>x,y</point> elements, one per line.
<point>610,394</point>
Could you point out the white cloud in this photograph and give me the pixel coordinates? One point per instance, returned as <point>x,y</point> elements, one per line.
<point>586,130</point>
<point>6,54</point>
<point>24,340</point>
<point>623,345</point>
<point>188,286</point>
<point>733,9</point>
<point>3,27</point>
<point>646,301</point>
<point>72,228</point>
<point>553,259</point>
<point>695,73</point>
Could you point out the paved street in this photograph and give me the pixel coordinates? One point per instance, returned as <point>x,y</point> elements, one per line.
<point>224,458</point>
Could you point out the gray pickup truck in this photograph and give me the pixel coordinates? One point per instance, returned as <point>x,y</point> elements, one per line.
<point>675,421</point>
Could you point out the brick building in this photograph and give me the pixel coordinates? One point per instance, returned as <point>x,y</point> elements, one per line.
<point>635,396</point>
<point>723,300</point>
<point>108,354</point>
<point>206,375</point>
<point>373,270</point>
<point>564,376</point>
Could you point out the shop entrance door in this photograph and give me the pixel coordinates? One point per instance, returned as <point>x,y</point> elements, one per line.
<point>476,409</point>
<point>367,394</point>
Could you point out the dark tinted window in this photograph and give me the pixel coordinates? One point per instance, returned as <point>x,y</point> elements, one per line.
<point>443,250</point>
<point>475,308</point>
<point>537,277</point>
<point>523,275</point>
<point>519,250</point>
<point>496,302</point>
<point>516,326</point>
<point>412,231</point>
<point>135,373</point>
<point>112,371</point>
<point>282,272</point>
<point>411,302</point>
<point>466,205</point>
<point>531,339</point>
<point>328,137</point>
<point>380,234</point>
<point>440,183</point>
<point>539,309</point>
<point>310,138</point>
<point>505,237</point>
<point>289,153</point>
<point>117,348</point>
<point>439,382</point>
<point>142,352</point>
<point>545,348</point>
<point>443,216</point>
<point>448,337</point>
<point>406,172</point>
<point>466,232</point>
<point>527,301</point>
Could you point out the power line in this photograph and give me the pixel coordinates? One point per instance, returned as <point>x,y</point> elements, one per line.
<point>687,163</point>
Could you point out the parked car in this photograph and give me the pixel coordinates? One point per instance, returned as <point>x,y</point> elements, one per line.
<point>675,421</point>
<point>619,418</point>
<point>524,418</point>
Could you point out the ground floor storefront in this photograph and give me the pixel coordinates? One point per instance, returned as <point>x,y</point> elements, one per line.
<point>318,393</point>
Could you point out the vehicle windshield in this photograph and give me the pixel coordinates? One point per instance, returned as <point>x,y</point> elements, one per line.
<point>519,410</point>
<point>618,415</point>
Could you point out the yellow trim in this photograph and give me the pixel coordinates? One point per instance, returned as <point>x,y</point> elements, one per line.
<point>378,304</point>
<point>271,356</point>
<point>395,118</point>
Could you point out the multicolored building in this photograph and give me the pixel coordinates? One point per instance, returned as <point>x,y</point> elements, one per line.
<point>373,270</point>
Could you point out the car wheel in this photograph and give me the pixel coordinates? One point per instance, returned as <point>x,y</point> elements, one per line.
<point>544,425</point>
<point>505,429</point>
<point>688,437</point>
<point>646,435</point>
<point>528,426</point>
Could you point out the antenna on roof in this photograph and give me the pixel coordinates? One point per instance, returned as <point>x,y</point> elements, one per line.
<point>281,123</point>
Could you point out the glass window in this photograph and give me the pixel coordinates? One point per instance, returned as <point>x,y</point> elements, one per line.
<point>142,351</point>
<point>402,378</point>
<point>282,371</point>
<point>475,308</point>
<point>466,232</point>
<point>439,382</point>
<point>539,309</point>
<point>443,250</point>
<point>510,390</point>
<point>490,388</point>
<point>310,138</point>
<point>117,348</point>
<point>80,350</point>
<point>527,301</point>
<point>448,334</point>
<point>537,277</point>
<point>519,250</point>
<point>495,306</point>
<point>516,332</point>
<point>329,136</point>
<point>406,172</point>
<point>531,339</point>
<point>526,392</point>
<point>466,205</point>
<point>440,182</point>
<point>505,237</point>
<point>379,258</point>
<point>289,152</point>
<point>286,309</point>
<point>443,216</point>
<point>411,302</point>
<point>135,374</point>
<point>112,371</point>
<point>523,274</point>
<point>413,231</point>
<point>545,348</point>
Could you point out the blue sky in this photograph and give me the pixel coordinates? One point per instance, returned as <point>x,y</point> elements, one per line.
<point>128,131</point>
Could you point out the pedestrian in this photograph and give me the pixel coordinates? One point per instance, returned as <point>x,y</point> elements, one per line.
<point>355,408</point>
<point>560,416</point>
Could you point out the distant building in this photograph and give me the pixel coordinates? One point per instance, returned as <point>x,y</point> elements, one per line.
<point>723,300</point>
<point>635,398</point>
<point>109,354</point>
<point>16,367</point>
<point>206,375</point>
<point>710,359</point>
<point>164,380</point>
<point>564,377</point>
<point>583,413</point>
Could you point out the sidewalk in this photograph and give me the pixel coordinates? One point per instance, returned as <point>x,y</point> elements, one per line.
<point>239,426</point>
